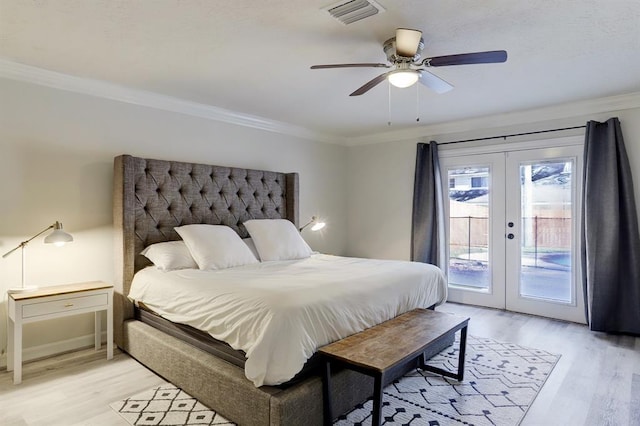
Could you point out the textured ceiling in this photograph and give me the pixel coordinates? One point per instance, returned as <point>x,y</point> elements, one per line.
<point>253,57</point>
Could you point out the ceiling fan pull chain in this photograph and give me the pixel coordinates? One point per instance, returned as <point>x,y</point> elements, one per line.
<point>417,104</point>
<point>389,111</point>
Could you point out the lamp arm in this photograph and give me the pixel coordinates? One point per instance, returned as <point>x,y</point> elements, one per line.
<point>301,228</point>
<point>313,219</point>
<point>24,243</point>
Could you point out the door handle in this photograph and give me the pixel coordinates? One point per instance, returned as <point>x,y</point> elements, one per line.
<point>510,236</point>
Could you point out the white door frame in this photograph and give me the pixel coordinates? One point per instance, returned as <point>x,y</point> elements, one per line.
<point>574,309</point>
<point>494,296</point>
<point>499,297</point>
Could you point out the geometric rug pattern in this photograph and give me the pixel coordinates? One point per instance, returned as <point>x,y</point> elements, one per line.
<point>501,380</point>
<point>168,406</point>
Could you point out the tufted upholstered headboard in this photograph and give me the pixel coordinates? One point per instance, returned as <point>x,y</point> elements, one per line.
<point>151,197</point>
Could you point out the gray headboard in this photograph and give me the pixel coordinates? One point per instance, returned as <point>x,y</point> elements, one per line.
<point>151,197</point>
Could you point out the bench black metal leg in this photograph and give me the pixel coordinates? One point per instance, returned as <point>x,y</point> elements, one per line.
<point>463,349</point>
<point>377,401</point>
<point>459,375</point>
<point>326,393</point>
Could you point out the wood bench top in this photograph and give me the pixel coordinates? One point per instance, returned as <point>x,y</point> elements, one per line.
<point>385,345</point>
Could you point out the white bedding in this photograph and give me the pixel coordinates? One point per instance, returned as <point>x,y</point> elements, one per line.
<point>280,312</point>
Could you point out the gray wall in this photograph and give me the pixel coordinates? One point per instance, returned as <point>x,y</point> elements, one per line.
<point>56,154</point>
<point>381,179</point>
<point>56,159</point>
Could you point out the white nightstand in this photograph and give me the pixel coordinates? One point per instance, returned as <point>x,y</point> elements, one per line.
<point>55,302</point>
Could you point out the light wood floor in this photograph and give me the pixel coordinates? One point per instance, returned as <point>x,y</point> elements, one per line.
<point>596,381</point>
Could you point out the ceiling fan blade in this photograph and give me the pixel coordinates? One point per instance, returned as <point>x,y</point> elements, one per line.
<point>370,84</point>
<point>491,57</point>
<point>407,42</point>
<point>318,67</point>
<point>434,82</point>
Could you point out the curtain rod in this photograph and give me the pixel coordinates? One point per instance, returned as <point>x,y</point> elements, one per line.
<point>514,134</point>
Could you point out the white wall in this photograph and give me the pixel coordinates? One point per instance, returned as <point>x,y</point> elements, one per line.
<point>56,159</point>
<point>56,154</point>
<point>381,178</point>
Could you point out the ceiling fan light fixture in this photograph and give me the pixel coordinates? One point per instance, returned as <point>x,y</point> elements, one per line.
<point>408,42</point>
<point>403,78</point>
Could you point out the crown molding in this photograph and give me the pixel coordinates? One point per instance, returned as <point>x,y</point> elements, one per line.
<point>555,112</point>
<point>102,89</point>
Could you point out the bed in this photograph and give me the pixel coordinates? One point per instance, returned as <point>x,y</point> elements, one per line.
<point>151,199</point>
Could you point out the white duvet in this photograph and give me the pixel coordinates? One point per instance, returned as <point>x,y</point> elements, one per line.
<point>281,312</point>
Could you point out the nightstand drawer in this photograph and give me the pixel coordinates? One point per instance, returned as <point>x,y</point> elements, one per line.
<point>67,304</point>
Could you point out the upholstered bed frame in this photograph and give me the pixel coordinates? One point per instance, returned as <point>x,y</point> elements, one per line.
<point>151,197</point>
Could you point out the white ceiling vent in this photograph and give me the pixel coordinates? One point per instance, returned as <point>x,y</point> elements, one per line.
<point>350,11</point>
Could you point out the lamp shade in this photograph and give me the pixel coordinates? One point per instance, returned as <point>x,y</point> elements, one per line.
<point>58,237</point>
<point>318,226</point>
<point>403,78</point>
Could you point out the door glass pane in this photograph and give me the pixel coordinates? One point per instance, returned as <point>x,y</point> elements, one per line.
<point>469,227</point>
<point>546,252</point>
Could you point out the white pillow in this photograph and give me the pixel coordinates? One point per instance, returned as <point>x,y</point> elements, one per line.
<point>216,246</point>
<point>277,239</point>
<point>170,255</point>
<point>252,246</point>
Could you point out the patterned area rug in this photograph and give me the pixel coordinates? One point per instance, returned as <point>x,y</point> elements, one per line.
<point>166,405</point>
<point>501,381</point>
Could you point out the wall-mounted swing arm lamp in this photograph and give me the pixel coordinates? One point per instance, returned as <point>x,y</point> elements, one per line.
<point>316,224</point>
<point>58,238</point>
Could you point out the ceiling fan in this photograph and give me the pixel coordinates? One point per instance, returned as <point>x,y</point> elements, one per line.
<point>403,53</point>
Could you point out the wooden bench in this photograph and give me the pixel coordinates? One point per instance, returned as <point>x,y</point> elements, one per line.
<point>383,350</point>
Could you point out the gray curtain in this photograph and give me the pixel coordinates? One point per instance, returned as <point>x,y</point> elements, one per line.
<point>427,224</point>
<point>610,237</point>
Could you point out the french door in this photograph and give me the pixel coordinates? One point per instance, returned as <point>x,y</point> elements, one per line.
<point>513,228</point>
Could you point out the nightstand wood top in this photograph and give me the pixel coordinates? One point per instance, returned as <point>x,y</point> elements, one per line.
<point>61,289</point>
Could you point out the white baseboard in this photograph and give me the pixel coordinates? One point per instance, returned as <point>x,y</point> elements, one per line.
<point>50,349</point>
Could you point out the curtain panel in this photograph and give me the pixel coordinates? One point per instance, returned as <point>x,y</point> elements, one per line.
<point>427,222</point>
<point>610,237</point>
